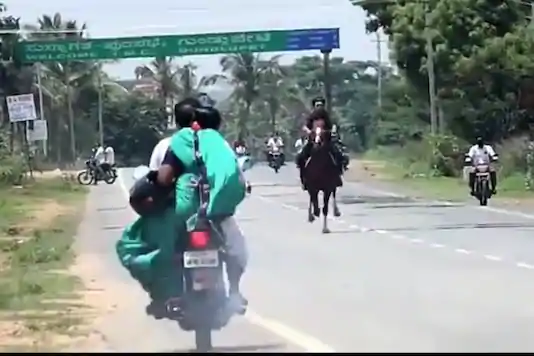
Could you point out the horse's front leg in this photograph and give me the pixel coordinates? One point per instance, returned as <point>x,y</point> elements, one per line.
<point>311,218</point>
<point>326,202</point>
<point>337,212</point>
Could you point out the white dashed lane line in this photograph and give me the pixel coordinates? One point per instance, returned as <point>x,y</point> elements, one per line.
<point>394,236</point>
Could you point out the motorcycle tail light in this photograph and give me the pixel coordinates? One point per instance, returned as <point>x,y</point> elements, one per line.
<point>199,239</point>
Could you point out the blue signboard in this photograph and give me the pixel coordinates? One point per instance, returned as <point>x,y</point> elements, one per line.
<point>313,39</point>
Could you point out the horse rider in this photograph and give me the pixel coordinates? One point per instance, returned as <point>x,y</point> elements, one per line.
<point>319,113</point>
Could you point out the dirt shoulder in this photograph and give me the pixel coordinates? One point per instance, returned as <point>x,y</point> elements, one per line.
<point>40,304</point>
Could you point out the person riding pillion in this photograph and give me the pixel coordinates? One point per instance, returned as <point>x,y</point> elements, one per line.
<point>240,146</point>
<point>485,153</point>
<point>299,144</point>
<point>173,167</point>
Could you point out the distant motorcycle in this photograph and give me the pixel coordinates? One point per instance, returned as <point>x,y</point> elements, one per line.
<point>245,162</point>
<point>107,173</point>
<point>482,181</point>
<point>275,161</point>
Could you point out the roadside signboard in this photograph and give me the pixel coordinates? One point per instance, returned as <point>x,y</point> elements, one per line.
<point>21,108</point>
<point>180,45</point>
<point>39,131</point>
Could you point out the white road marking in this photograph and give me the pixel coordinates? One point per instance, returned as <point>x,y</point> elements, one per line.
<point>524,265</point>
<point>492,258</point>
<point>302,340</point>
<point>292,207</point>
<point>308,343</point>
<point>487,208</point>
<point>434,245</point>
<point>401,237</point>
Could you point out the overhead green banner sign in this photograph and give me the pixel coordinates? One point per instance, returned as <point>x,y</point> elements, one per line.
<point>181,45</point>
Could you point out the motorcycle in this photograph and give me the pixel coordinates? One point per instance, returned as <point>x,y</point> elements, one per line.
<point>482,181</point>
<point>87,176</point>
<point>275,161</point>
<point>203,305</point>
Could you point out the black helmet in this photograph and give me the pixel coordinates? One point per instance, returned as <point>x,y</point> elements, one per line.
<point>205,100</point>
<point>318,101</point>
<point>480,142</point>
<point>146,197</point>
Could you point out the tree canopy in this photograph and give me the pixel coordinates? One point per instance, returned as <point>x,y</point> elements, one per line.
<point>483,56</point>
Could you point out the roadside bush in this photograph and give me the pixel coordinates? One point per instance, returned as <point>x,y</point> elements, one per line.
<point>447,154</point>
<point>512,153</point>
<point>12,166</point>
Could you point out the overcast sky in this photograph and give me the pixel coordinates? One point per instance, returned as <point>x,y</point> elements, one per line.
<point>114,18</point>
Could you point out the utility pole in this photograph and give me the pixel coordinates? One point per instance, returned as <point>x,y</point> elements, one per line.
<point>41,103</point>
<point>327,81</point>
<point>431,75</point>
<point>429,62</point>
<point>379,74</point>
<point>100,108</point>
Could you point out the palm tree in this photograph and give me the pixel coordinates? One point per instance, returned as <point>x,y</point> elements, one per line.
<point>71,75</point>
<point>164,72</point>
<point>173,80</point>
<point>246,72</point>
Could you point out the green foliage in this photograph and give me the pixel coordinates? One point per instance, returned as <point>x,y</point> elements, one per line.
<point>133,126</point>
<point>483,51</point>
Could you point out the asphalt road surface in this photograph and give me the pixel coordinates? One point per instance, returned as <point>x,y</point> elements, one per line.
<point>395,275</point>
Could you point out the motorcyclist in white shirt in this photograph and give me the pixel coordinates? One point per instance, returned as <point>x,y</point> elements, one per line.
<point>275,141</point>
<point>299,144</point>
<point>486,153</point>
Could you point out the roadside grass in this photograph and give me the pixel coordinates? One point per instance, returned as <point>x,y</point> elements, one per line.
<point>39,305</point>
<point>389,165</point>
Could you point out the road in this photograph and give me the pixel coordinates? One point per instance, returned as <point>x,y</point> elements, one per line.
<point>395,275</point>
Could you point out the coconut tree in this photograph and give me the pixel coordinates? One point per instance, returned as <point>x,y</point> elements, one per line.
<point>172,79</point>
<point>246,72</point>
<point>165,73</point>
<point>72,74</point>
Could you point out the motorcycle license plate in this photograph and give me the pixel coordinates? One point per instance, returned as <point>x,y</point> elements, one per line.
<point>199,259</point>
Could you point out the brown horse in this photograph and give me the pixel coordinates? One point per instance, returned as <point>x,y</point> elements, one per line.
<point>321,174</point>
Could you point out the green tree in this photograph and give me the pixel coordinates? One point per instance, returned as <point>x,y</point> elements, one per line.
<point>134,125</point>
<point>165,72</point>
<point>482,52</point>
<point>246,73</point>
<point>67,78</point>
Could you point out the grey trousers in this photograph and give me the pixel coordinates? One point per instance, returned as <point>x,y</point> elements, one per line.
<point>235,240</point>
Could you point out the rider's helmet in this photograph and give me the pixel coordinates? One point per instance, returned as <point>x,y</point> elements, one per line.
<point>480,142</point>
<point>147,197</point>
<point>205,100</point>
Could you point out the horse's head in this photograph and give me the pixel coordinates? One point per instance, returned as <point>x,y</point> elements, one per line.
<point>319,136</point>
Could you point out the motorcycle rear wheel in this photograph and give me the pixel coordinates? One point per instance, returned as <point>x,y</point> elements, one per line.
<point>483,193</point>
<point>203,339</point>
